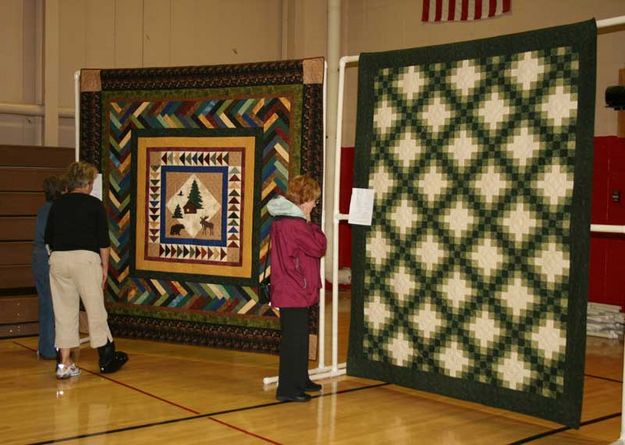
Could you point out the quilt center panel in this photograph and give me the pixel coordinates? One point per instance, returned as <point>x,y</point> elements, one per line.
<point>196,218</point>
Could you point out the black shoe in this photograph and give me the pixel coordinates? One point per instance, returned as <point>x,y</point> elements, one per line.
<point>111,360</point>
<point>312,386</point>
<point>301,397</point>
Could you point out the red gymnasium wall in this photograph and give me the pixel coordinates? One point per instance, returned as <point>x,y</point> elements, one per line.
<point>607,251</point>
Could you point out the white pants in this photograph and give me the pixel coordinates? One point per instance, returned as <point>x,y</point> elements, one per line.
<point>76,275</point>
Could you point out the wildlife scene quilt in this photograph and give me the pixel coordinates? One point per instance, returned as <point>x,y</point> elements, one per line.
<point>189,157</point>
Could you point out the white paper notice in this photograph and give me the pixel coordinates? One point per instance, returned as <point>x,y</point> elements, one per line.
<point>97,187</point>
<point>361,207</point>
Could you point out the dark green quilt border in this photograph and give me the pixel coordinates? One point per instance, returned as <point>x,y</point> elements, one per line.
<point>193,316</point>
<point>567,408</point>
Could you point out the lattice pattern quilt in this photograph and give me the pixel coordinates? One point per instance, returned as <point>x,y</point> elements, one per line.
<point>190,156</point>
<point>471,281</point>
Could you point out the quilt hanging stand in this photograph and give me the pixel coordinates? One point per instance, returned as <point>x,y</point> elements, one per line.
<point>321,371</point>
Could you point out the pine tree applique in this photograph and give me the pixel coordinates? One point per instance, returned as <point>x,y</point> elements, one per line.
<point>178,212</point>
<point>194,200</point>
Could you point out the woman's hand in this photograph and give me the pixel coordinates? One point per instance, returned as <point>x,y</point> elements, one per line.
<point>307,207</point>
<point>104,257</point>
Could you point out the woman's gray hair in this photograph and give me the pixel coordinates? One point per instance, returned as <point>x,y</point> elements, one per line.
<point>80,174</point>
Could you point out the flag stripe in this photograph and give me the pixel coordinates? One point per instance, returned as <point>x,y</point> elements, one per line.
<point>465,10</point>
<point>452,11</point>
<point>478,9</point>
<point>492,10</point>
<point>445,10</point>
<point>425,15</point>
<point>462,10</point>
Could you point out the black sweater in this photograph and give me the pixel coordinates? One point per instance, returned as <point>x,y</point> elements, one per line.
<point>77,221</point>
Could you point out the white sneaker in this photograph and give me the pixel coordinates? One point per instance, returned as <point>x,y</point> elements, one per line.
<point>65,372</point>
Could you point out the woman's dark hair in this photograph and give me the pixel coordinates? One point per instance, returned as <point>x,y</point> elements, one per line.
<point>53,187</point>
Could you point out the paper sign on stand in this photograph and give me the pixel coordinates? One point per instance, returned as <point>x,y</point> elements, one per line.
<point>97,187</point>
<point>361,207</point>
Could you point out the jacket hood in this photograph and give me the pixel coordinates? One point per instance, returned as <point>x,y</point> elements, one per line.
<point>280,206</point>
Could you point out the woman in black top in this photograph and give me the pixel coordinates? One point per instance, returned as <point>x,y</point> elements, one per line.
<point>77,235</point>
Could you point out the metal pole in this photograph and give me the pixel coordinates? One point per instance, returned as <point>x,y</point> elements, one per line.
<point>322,300</point>
<point>614,21</point>
<point>603,228</point>
<point>336,368</point>
<point>77,114</point>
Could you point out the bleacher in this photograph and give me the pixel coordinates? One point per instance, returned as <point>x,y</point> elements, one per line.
<point>22,170</point>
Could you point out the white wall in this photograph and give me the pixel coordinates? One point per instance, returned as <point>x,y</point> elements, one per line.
<point>148,33</point>
<point>17,55</point>
<point>145,33</point>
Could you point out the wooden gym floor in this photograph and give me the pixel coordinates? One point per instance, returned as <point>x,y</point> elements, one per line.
<point>178,394</point>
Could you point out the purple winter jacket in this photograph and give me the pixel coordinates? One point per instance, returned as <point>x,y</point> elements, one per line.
<point>296,249</point>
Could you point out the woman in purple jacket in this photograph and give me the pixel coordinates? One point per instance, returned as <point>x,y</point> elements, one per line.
<point>297,246</point>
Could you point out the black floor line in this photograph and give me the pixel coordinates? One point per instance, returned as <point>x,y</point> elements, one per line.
<point>246,408</point>
<point>603,378</point>
<point>564,428</point>
<point>202,416</point>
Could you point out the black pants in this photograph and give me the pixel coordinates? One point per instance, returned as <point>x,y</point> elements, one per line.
<point>293,374</point>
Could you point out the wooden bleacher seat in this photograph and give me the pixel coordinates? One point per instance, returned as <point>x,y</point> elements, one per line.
<point>22,170</point>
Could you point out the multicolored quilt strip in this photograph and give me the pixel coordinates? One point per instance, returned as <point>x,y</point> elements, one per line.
<point>472,280</point>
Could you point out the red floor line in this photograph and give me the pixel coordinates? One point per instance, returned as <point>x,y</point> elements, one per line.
<point>24,346</point>
<point>165,400</point>
<point>126,385</point>
<point>249,433</point>
<point>143,392</point>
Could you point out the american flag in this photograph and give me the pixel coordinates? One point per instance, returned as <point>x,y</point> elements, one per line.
<point>461,10</point>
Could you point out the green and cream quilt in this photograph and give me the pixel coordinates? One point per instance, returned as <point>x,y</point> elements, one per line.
<point>471,281</point>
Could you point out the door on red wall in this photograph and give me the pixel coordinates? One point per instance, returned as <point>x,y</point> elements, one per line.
<point>345,193</point>
<point>607,251</point>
